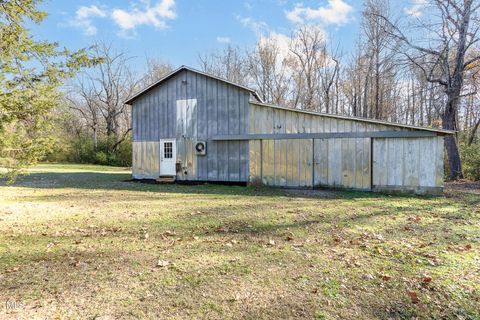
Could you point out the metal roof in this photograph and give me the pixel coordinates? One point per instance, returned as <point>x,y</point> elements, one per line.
<point>442,131</point>
<point>174,72</point>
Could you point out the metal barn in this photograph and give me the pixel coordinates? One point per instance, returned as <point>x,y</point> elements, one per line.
<point>191,126</point>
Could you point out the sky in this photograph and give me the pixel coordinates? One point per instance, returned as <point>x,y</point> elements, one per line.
<point>177,31</point>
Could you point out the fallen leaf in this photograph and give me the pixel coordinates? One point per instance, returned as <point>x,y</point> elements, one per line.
<point>385,277</point>
<point>468,246</point>
<point>413,296</point>
<point>427,279</point>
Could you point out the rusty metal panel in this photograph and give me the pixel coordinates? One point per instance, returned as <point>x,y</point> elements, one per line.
<point>146,160</point>
<point>268,163</point>
<point>439,170</point>
<point>255,161</point>
<point>321,162</point>
<point>306,163</point>
<point>280,162</point>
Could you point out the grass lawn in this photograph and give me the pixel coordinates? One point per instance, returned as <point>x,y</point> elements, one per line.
<point>82,242</point>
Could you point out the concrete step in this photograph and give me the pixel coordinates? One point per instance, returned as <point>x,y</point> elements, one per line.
<point>166,179</point>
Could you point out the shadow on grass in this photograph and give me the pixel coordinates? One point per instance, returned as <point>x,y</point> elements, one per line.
<point>122,181</point>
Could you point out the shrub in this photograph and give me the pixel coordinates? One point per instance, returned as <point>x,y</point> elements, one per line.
<point>80,149</point>
<point>471,161</point>
<point>101,158</point>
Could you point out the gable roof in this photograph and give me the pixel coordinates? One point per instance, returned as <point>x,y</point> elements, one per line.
<point>182,68</point>
<point>367,120</point>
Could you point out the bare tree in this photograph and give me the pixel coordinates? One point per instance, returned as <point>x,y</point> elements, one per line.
<point>156,69</point>
<point>451,36</point>
<point>329,70</point>
<point>112,83</point>
<point>268,69</point>
<point>228,64</point>
<point>307,47</point>
<point>381,56</point>
<point>83,100</point>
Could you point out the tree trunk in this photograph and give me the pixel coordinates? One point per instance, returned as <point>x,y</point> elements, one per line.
<point>473,133</point>
<point>95,139</point>
<point>451,145</point>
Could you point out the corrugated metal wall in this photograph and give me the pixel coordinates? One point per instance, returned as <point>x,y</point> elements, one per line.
<point>408,163</point>
<point>192,107</point>
<point>342,163</point>
<point>146,155</point>
<point>208,107</point>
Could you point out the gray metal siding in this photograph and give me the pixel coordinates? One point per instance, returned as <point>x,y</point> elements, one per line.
<point>399,164</point>
<point>219,108</point>
<point>408,163</point>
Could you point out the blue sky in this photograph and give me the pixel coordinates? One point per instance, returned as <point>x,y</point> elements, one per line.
<point>178,30</point>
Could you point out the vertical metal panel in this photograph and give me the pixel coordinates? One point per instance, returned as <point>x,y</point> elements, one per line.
<point>202,125</point>
<point>335,155</point>
<point>426,171</point>
<point>144,161</point>
<point>160,111</point>
<point>360,158</point>
<point>409,163</point>
<point>394,162</point>
<point>412,155</point>
<point>307,162</point>
<point>321,162</point>
<point>439,170</point>
<point>135,125</point>
<point>367,164</point>
<point>233,128</point>
<point>222,123</point>
<point>379,162</point>
<point>191,91</point>
<point>212,128</point>
<point>268,159</point>
<point>181,98</point>
<point>255,163</point>
<point>244,120</point>
<point>346,157</point>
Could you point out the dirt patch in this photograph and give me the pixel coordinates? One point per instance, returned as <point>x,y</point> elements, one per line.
<point>463,185</point>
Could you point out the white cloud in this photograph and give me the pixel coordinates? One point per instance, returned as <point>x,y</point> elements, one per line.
<point>336,12</point>
<point>416,9</point>
<point>83,19</point>
<point>259,27</point>
<point>281,42</point>
<point>223,40</point>
<point>155,15</point>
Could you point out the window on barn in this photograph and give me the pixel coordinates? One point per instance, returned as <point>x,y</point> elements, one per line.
<point>168,150</point>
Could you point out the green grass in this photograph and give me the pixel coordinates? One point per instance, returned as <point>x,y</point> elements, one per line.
<point>80,241</point>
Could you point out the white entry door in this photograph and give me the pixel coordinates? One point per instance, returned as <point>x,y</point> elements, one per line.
<point>168,157</point>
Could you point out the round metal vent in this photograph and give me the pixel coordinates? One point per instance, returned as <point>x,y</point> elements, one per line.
<point>201,148</point>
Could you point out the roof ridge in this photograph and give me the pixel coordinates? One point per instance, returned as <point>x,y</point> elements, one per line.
<point>185,67</point>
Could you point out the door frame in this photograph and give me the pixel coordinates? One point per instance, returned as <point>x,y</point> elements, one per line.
<point>171,170</point>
